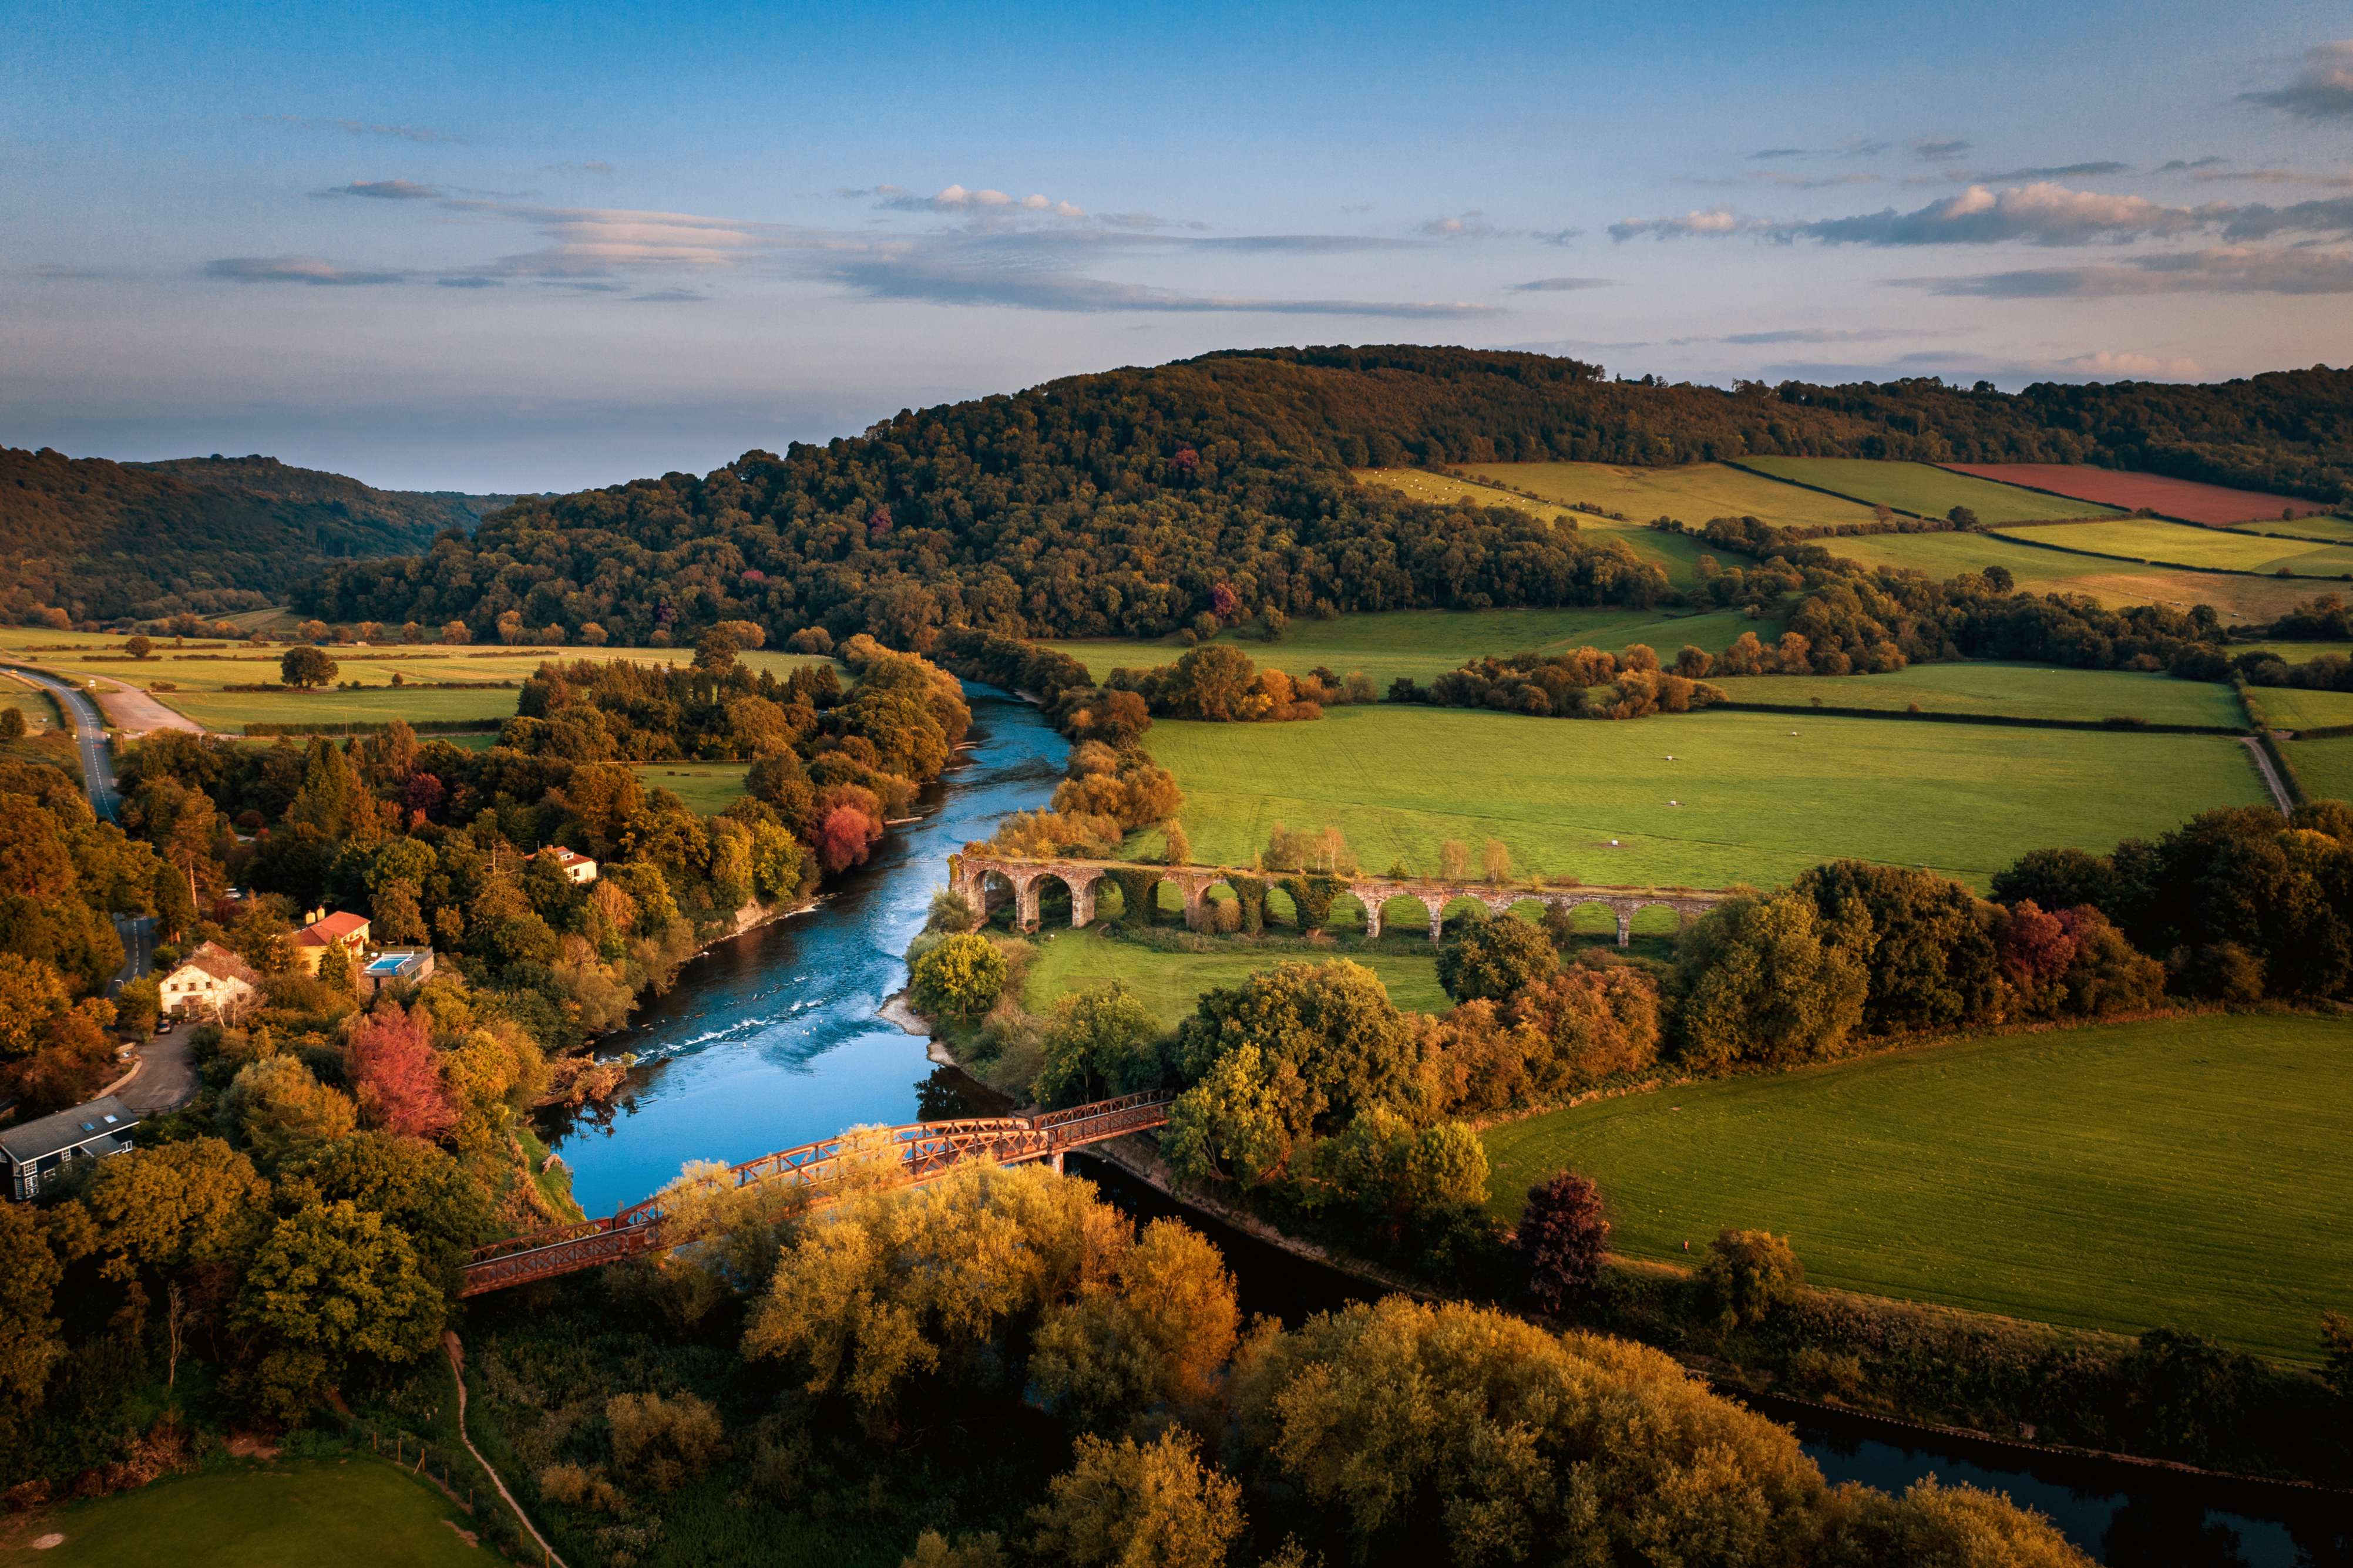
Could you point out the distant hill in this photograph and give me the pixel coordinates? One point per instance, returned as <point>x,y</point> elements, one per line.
<point>100,540</point>
<point>1131,501</point>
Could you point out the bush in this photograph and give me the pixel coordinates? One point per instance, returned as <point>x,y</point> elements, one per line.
<point>1749,1274</point>
<point>1561,1239</point>
<point>960,977</point>
<point>669,1442</point>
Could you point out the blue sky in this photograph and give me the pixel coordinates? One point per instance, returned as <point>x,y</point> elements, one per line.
<point>525,246</point>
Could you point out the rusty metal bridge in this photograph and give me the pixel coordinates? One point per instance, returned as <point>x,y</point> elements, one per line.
<point>913,1155</point>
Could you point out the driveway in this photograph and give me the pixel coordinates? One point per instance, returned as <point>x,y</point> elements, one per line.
<point>167,1075</point>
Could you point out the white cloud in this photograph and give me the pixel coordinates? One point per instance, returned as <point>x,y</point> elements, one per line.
<point>2044,213</point>
<point>1716,220</point>
<point>1471,225</point>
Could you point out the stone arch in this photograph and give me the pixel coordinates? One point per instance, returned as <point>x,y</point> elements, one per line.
<point>1678,911</point>
<point>1218,907</point>
<point>1061,886</point>
<point>1610,920</point>
<point>992,891</point>
<point>1529,906</point>
<point>1350,908</point>
<point>1455,904</point>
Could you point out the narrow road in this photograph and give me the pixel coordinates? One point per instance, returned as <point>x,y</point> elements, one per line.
<point>2272,781</point>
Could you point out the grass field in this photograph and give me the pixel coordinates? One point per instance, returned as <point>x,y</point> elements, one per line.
<point>1694,492</point>
<point>707,787</point>
<point>2339,529</point>
<point>1758,803</point>
<point>40,712</point>
<point>2294,652</point>
<point>2179,1173</point>
<point>2025,690</point>
<point>2324,767</point>
<point>198,676</point>
<point>2185,498</point>
<point>355,1513</point>
<point>2287,708</point>
<point>2187,545</point>
<point>2109,582</point>
<point>1922,488</point>
<point>1676,555</point>
<point>1168,983</point>
<point>1426,644</point>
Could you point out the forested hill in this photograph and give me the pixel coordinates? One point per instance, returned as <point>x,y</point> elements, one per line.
<point>1132,500</point>
<point>214,535</point>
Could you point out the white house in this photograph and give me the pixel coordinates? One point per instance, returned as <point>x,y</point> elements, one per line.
<point>210,982</point>
<point>576,867</point>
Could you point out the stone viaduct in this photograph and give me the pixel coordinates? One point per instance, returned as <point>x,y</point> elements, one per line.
<point>971,873</point>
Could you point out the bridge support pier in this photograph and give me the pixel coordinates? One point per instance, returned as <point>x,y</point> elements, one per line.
<point>1058,1162</point>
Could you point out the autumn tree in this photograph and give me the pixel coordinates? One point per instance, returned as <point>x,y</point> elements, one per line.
<point>1749,1274</point>
<point>959,978</point>
<point>1126,1504</point>
<point>395,1074</point>
<point>1561,1239</point>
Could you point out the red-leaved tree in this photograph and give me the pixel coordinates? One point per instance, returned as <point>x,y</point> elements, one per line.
<point>843,838</point>
<point>396,1075</point>
<point>2035,946</point>
<point>1561,1239</point>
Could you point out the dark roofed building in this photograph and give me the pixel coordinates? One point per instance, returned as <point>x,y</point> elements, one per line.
<point>36,1153</point>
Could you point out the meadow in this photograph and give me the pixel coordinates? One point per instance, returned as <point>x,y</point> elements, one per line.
<point>40,712</point>
<point>1923,489</point>
<point>1169,983</point>
<point>2020,690</point>
<point>2337,529</point>
<point>2187,545</point>
<point>1426,644</point>
<point>2187,500</point>
<point>1701,799</point>
<point>2176,1173</point>
<point>197,676</point>
<point>706,787</point>
<point>1677,556</point>
<point>2291,708</point>
<point>2110,581</point>
<point>1693,493</point>
<point>2325,768</point>
<point>355,1513</point>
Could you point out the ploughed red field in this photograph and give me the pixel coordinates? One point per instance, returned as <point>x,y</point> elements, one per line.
<point>2185,499</point>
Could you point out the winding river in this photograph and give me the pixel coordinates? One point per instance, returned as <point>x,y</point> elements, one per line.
<point>774,1039</point>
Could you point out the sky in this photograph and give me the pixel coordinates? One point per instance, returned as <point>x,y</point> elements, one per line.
<point>520,247</point>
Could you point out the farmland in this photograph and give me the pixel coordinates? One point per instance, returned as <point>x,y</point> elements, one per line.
<point>2325,768</point>
<point>2185,544</point>
<point>2291,708</point>
<point>1677,556</point>
<point>1168,983</point>
<point>1425,644</point>
<point>2120,1177</point>
<point>2186,500</point>
<point>2338,530</point>
<point>1746,797</point>
<point>2109,581</point>
<point>2020,691</point>
<point>707,787</point>
<point>1922,488</point>
<point>1692,493</point>
<point>196,677</point>
<point>356,1513</point>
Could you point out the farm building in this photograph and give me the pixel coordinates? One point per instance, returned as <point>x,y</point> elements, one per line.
<point>37,1153</point>
<point>576,867</point>
<point>401,967</point>
<point>342,929</point>
<point>211,981</point>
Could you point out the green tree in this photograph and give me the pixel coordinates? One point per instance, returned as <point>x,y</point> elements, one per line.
<point>1932,960</point>
<point>138,646</point>
<point>1765,980</point>
<point>1214,683</point>
<point>1327,1030</point>
<point>1158,1338</point>
<point>277,1109</point>
<point>416,1186</point>
<point>31,1340</point>
<point>306,667</point>
<point>12,724</point>
<point>960,977</point>
<point>1494,959</point>
<point>1131,1505</point>
<point>1750,1274</point>
<point>1098,1042</point>
<point>332,1286</point>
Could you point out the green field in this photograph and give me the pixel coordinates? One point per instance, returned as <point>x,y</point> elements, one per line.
<point>1168,983</point>
<point>198,676</point>
<point>2289,708</point>
<point>297,1513</point>
<point>1678,556</point>
<point>40,712</point>
<point>2024,691</point>
<point>707,787</point>
<point>2187,545</point>
<point>2182,1173</point>
<point>1924,489</point>
<point>1693,493</point>
<point>2335,528</point>
<point>2325,768</point>
<point>1426,644</point>
<point>1758,803</point>
<point>2294,652</point>
<point>2110,581</point>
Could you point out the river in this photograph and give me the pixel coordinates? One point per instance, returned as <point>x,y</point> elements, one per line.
<point>773,1039</point>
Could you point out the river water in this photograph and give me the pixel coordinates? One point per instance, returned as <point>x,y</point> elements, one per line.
<point>773,1039</point>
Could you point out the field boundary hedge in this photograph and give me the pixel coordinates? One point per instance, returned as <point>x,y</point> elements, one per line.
<point>2321,733</point>
<point>2120,723</point>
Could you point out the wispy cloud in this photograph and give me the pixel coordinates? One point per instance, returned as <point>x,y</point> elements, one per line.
<point>2225,270</point>
<point>1560,285</point>
<point>1861,148</point>
<point>961,200</point>
<point>668,297</point>
<point>1814,335</point>
<point>1716,220</point>
<point>387,191</point>
<point>938,281</point>
<point>1783,177</point>
<point>2040,214</point>
<point>2055,171</point>
<point>596,166</point>
<point>2322,90</point>
<point>2181,165</point>
<point>311,269</point>
<point>365,127</point>
<point>2277,177</point>
<point>1939,148</point>
<point>1465,225</point>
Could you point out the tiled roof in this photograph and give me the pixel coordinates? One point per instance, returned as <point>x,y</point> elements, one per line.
<point>340,926</point>
<point>65,1128</point>
<point>220,963</point>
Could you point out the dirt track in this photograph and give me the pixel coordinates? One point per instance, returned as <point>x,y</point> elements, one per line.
<point>135,713</point>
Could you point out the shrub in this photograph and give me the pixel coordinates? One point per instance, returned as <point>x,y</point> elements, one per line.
<point>1748,1274</point>
<point>1561,1239</point>
<point>668,1441</point>
<point>960,977</point>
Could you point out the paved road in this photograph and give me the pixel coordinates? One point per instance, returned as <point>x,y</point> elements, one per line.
<point>138,932</point>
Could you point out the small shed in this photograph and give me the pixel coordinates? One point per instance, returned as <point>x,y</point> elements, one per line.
<point>401,967</point>
<point>36,1153</point>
